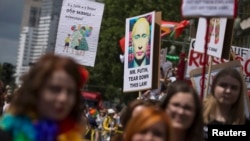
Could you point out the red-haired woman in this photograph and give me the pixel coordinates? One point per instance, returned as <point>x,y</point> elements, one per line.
<point>47,105</point>
<point>150,124</point>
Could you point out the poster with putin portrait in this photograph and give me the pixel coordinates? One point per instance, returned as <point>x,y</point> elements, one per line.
<point>139,42</point>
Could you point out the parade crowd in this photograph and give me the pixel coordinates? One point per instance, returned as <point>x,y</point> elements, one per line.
<point>49,107</point>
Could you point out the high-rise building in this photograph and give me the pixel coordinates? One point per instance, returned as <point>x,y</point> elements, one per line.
<point>38,34</point>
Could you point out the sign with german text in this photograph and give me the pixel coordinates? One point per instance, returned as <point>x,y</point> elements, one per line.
<point>78,35</point>
<point>209,8</point>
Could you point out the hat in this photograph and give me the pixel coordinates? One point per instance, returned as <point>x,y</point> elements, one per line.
<point>111,111</point>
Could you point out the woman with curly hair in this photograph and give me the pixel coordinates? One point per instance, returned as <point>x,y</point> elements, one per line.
<point>47,105</point>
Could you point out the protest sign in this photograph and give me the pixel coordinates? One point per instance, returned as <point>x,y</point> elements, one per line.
<point>77,34</point>
<point>209,8</point>
<point>140,51</point>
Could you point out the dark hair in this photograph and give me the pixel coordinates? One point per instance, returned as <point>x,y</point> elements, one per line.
<point>26,97</point>
<point>195,131</point>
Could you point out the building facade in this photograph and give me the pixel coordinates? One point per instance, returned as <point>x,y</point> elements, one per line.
<point>38,33</point>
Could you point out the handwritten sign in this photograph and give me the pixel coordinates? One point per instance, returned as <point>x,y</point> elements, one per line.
<point>196,60</point>
<point>78,35</point>
<point>216,34</point>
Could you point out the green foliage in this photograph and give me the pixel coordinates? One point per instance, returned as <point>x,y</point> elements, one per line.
<point>7,73</point>
<point>107,75</point>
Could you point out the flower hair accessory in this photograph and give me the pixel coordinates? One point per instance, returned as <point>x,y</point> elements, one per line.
<point>84,76</point>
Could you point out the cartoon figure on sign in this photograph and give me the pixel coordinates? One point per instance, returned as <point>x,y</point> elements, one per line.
<point>76,37</point>
<point>214,30</point>
<point>67,41</point>
<point>79,42</point>
<point>83,45</point>
<point>140,38</point>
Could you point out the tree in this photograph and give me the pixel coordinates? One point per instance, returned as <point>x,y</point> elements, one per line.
<point>107,74</point>
<point>7,73</point>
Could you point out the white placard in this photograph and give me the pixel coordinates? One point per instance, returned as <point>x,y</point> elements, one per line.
<point>209,8</point>
<point>78,30</point>
<point>216,34</point>
<point>138,61</point>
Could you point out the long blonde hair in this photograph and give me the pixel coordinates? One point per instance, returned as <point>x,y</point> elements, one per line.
<point>210,105</point>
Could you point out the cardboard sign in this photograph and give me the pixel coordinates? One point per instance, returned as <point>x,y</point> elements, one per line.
<point>196,60</point>
<point>209,8</point>
<point>196,74</point>
<point>243,55</point>
<point>142,52</point>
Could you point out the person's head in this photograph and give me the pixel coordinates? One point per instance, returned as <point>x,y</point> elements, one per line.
<point>133,109</point>
<point>175,71</point>
<point>227,90</point>
<point>183,105</point>
<point>103,112</point>
<point>227,87</point>
<point>111,112</point>
<point>7,98</point>
<point>51,89</point>
<point>140,38</point>
<point>151,125</point>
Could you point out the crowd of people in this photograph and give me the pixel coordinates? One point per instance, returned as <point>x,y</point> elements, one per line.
<point>49,107</point>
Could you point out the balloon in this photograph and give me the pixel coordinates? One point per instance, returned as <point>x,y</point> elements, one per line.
<point>122,44</point>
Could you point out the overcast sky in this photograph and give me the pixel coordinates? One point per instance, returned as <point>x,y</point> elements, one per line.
<point>10,20</point>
